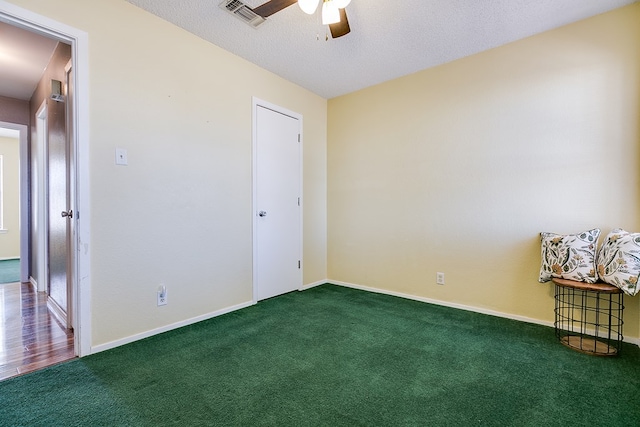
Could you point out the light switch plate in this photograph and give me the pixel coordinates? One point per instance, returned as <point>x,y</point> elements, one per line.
<point>121,156</point>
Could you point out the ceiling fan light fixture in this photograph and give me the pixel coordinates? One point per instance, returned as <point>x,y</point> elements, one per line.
<point>330,12</point>
<point>341,4</point>
<point>309,6</point>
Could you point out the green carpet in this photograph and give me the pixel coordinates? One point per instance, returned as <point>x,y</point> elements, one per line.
<point>10,271</point>
<point>339,357</point>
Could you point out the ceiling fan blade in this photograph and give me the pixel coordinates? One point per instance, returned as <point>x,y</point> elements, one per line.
<point>341,28</point>
<point>273,6</point>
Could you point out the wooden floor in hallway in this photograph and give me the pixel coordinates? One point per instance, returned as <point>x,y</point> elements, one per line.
<point>31,338</point>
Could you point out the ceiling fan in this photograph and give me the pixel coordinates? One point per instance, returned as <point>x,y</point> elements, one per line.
<point>333,13</point>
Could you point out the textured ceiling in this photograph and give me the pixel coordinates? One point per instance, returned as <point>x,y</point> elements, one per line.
<point>388,39</point>
<point>23,58</point>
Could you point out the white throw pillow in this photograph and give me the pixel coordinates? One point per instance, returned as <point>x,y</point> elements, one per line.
<point>619,260</point>
<point>570,256</point>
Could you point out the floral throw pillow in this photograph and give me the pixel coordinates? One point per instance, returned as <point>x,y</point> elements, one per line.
<point>570,256</point>
<point>619,260</point>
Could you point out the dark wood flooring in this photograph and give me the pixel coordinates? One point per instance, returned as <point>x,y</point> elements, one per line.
<point>30,336</point>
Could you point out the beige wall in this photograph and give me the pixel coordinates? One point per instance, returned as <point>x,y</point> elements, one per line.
<point>10,235</point>
<point>180,213</point>
<point>457,169</point>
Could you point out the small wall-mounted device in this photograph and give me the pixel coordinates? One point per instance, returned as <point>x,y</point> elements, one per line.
<point>121,156</point>
<point>56,91</point>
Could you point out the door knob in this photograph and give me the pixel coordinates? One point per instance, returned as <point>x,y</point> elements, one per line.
<point>68,213</point>
<point>262,213</point>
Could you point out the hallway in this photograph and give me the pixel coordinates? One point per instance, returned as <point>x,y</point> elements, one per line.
<point>30,337</point>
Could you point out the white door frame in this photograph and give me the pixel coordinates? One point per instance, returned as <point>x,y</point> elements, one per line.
<point>256,102</point>
<point>42,200</point>
<point>80,251</point>
<point>24,197</point>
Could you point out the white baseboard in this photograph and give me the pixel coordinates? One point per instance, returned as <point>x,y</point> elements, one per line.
<point>9,258</point>
<point>34,283</point>
<point>635,341</point>
<point>57,312</point>
<point>313,285</point>
<point>147,334</point>
<point>136,337</point>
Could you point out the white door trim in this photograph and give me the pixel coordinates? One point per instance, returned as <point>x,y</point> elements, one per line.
<point>256,102</point>
<point>24,197</point>
<point>41,200</point>
<point>79,42</point>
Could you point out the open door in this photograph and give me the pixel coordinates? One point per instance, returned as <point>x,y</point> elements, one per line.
<point>60,213</point>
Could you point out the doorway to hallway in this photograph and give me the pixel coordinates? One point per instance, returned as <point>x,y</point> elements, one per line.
<point>77,262</point>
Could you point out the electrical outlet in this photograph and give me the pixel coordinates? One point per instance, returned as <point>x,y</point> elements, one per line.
<point>162,295</point>
<point>439,278</point>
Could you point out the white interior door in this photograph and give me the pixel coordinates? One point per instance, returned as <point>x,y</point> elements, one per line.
<point>71,191</point>
<point>277,203</point>
<point>59,211</point>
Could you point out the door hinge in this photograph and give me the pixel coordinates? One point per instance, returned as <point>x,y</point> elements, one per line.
<point>298,263</point>
<point>298,201</point>
<point>298,137</point>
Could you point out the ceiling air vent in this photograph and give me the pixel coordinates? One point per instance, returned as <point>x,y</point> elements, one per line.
<point>242,12</point>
